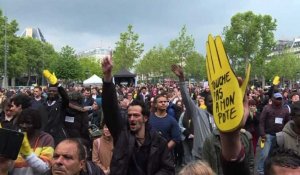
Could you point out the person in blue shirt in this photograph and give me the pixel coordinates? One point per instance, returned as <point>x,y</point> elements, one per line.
<point>164,123</point>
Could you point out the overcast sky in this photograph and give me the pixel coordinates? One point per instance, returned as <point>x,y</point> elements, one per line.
<point>86,24</point>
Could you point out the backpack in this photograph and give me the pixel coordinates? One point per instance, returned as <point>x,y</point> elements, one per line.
<point>280,139</point>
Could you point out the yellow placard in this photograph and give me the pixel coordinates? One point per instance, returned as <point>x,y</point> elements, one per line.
<point>276,80</point>
<point>50,77</point>
<point>227,94</point>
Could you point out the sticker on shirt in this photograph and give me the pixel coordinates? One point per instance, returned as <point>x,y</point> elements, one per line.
<point>278,120</point>
<point>69,119</point>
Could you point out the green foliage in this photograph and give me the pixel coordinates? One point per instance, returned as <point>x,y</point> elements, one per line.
<point>182,47</point>
<point>11,40</point>
<point>89,66</point>
<point>67,66</point>
<point>31,52</point>
<point>181,50</point>
<point>249,38</point>
<point>286,66</point>
<point>30,58</point>
<point>49,56</point>
<point>195,66</point>
<point>155,62</point>
<point>26,56</point>
<point>128,49</point>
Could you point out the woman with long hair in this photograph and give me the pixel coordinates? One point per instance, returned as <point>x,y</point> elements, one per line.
<point>102,150</point>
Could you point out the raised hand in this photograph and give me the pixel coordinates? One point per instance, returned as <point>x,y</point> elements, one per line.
<point>107,66</point>
<point>50,77</point>
<point>228,95</point>
<point>178,71</point>
<point>276,80</point>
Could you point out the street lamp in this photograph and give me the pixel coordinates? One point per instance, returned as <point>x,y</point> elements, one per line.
<point>5,81</point>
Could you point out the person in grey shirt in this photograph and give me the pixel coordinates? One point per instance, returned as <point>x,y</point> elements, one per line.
<point>202,120</point>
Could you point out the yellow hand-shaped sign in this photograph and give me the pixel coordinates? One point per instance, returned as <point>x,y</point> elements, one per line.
<point>276,80</point>
<point>227,94</point>
<point>50,77</point>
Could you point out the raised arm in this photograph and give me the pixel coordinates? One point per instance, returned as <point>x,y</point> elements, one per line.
<point>229,123</point>
<point>64,96</point>
<point>191,108</point>
<point>40,163</point>
<point>54,82</point>
<point>112,116</point>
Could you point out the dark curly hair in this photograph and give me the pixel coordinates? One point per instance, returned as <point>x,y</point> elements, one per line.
<point>145,109</point>
<point>32,115</point>
<point>21,99</point>
<point>283,158</point>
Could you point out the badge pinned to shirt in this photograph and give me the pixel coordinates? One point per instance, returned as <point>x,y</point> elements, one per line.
<point>69,119</point>
<point>278,120</point>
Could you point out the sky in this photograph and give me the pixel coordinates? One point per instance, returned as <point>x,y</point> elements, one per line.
<point>87,24</point>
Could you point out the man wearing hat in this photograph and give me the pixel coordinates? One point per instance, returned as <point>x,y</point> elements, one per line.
<point>272,120</point>
<point>289,137</point>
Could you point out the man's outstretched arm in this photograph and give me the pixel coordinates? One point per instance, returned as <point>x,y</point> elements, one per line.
<point>112,116</point>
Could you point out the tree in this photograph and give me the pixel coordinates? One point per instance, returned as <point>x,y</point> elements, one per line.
<point>7,34</point>
<point>89,66</point>
<point>182,47</point>
<point>181,50</point>
<point>30,58</point>
<point>25,56</point>
<point>67,66</point>
<point>128,49</point>
<point>31,50</point>
<point>195,66</point>
<point>151,64</point>
<point>286,66</point>
<point>249,38</point>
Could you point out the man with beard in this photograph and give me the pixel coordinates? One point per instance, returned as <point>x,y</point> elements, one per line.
<point>138,150</point>
<point>56,108</point>
<point>272,120</point>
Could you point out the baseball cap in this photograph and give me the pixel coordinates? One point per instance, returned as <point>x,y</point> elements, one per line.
<point>277,95</point>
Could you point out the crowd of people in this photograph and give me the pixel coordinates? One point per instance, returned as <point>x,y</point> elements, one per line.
<point>148,129</point>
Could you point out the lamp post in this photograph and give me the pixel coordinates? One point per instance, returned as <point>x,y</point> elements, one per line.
<point>298,79</point>
<point>5,81</point>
